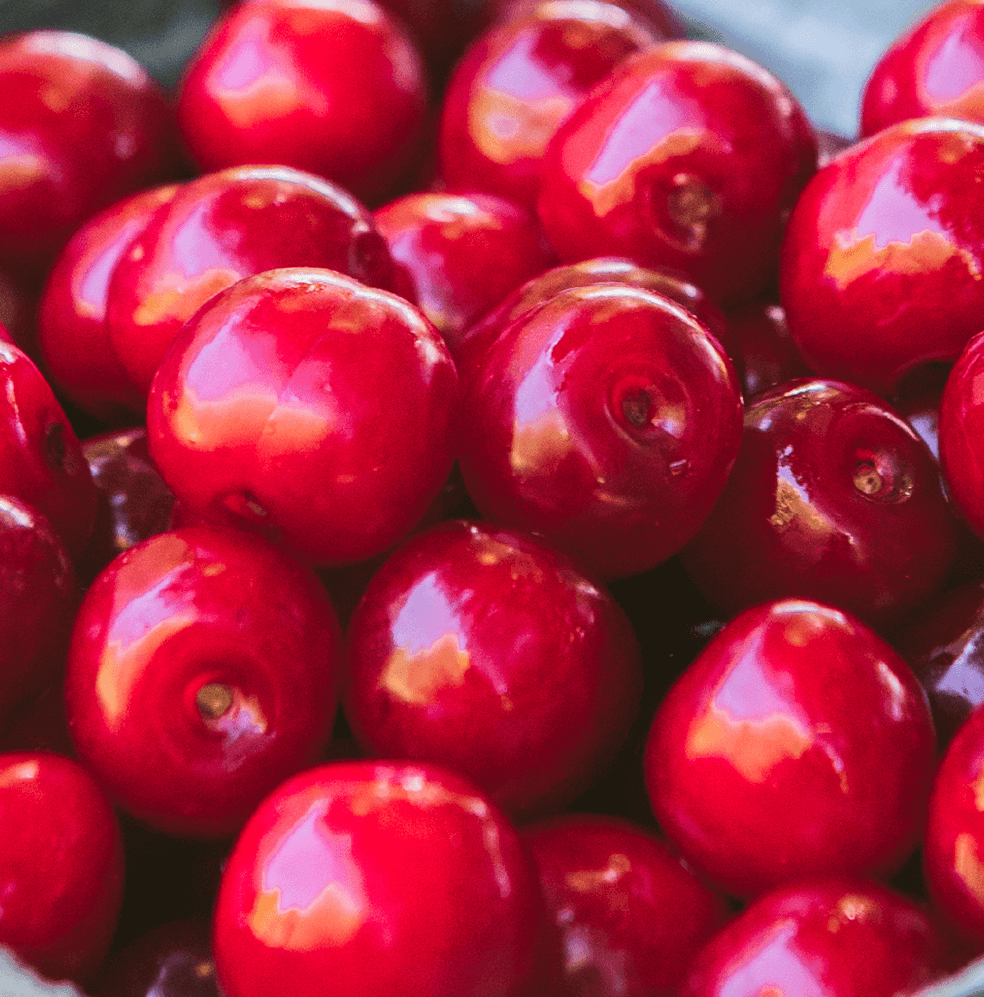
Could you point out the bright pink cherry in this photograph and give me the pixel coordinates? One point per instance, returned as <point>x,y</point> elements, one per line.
<point>797,744</point>
<point>607,420</point>
<point>310,407</point>
<point>831,937</point>
<point>335,87</point>
<point>389,878</point>
<point>202,672</point>
<point>61,865</point>
<point>484,650</point>
<point>688,156</point>
<point>881,264</point>
<point>632,917</point>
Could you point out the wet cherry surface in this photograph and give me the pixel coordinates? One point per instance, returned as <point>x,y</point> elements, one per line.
<point>404,868</point>
<point>792,723</point>
<point>210,659</point>
<point>482,649</point>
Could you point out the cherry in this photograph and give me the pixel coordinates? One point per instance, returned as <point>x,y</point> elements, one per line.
<point>223,227</point>
<point>518,81</point>
<point>881,264</point>
<point>663,18</point>
<point>61,865</point>
<point>209,659</point>
<point>837,937</point>
<point>798,743</point>
<point>688,156</point>
<point>296,81</point>
<point>833,497</point>
<point>763,352</point>
<point>631,915</point>
<point>461,255</point>
<point>402,871</point>
<point>73,337</point>
<point>310,407</point>
<point>482,649</point>
<point>934,69</point>
<point>607,420</point>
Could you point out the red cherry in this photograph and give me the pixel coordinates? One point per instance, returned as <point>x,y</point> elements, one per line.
<point>481,649</point>
<point>461,255</point>
<point>689,156</point>
<point>833,497</point>
<point>82,126</point>
<point>882,259</point>
<point>631,915</point>
<point>607,420</point>
<point>838,938</point>
<point>298,82</point>
<point>797,744</point>
<point>61,865</point>
<point>763,352</point>
<point>935,68</point>
<point>308,406</point>
<point>399,871</point>
<point>518,81</point>
<point>210,660</point>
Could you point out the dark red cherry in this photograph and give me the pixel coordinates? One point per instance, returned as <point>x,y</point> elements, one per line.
<point>518,81</point>
<point>881,264</point>
<point>632,917</point>
<point>835,937</point>
<point>797,744</point>
<point>82,125</point>
<point>763,352</point>
<point>223,227</point>
<point>607,420</point>
<point>399,874</point>
<point>41,459</point>
<point>833,497</point>
<point>689,156</point>
<point>332,87</point>
<point>461,254</point>
<point>482,649</point>
<point>73,337</point>
<point>935,68</point>
<point>310,407</point>
<point>61,865</point>
<point>209,659</point>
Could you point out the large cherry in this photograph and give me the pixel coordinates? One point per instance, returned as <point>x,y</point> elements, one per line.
<point>606,420</point>
<point>203,671</point>
<point>483,649</point>
<point>833,497</point>
<point>797,744</point>
<point>310,407</point>
<point>389,878</point>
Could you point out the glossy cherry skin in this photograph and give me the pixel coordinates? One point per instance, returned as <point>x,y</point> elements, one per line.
<point>39,595</point>
<point>403,872</point>
<point>462,254</point>
<point>763,352</point>
<point>41,459</point>
<point>607,420</point>
<point>333,87</point>
<point>660,15</point>
<point>689,156</point>
<point>517,83</point>
<point>827,938</point>
<point>833,497</point>
<point>436,672</point>
<point>73,337</point>
<point>797,744</point>
<point>308,406</point>
<point>61,865</point>
<point>881,264</point>
<point>82,126</point>
<point>936,68</point>
<point>211,660</point>
<point>631,915</point>
<point>223,227</point>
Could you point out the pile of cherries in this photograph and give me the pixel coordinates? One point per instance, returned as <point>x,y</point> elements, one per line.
<point>491,505</point>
